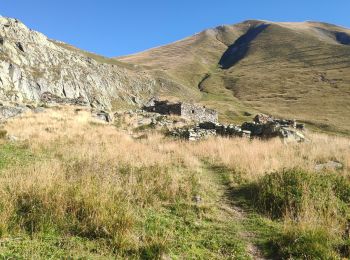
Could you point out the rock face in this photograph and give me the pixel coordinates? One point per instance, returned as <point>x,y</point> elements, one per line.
<point>31,66</point>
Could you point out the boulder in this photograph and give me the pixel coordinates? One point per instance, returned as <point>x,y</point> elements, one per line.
<point>102,115</point>
<point>232,130</point>
<point>11,111</point>
<point>291,135</point>
<point>38,110</point>
<point>220,129</point>
<point>197,199</point>
<point>12,138</point>
<point>286,122</point>
<point>245,133</point>
<point>263,119</point>
<point>330,165</point>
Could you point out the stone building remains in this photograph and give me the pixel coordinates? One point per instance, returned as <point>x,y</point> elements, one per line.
<point>185,110</point>
<point>263,126</point>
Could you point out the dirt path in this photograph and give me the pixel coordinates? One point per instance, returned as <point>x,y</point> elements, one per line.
<point>230,206</point>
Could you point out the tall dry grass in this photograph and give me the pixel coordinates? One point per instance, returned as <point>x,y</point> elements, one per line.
<point>93,179</point>
<point>90,179</point>
<point>68,132</point>
<point>254,158</point>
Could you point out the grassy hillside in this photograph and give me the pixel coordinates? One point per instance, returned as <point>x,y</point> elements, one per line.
<point>72,187</point>
<point>296,70</point>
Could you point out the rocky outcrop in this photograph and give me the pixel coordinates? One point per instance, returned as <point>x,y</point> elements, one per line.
<point>31,65</point>
<point>48,98</point>
<point>7,112</point>
<point>102,115</point>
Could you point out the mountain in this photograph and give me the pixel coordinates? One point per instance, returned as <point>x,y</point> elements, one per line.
<point>294,70</point>
<point>31,64</point>
<point>290,70</point>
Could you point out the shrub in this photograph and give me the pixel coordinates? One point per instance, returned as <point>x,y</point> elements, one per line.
<point>3,133</point>
<point>295,243</point>
<point>290,191</point>
<point>314,208</point>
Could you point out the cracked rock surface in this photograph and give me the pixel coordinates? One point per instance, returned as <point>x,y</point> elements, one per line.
<point>31,64</point>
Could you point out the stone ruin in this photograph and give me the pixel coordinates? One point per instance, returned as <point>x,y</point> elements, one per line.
<point>263,126</point>
<point>186,110</point>
<point>156,114</point>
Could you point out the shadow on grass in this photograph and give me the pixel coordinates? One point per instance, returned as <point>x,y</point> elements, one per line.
<point>239,49</point>
<point>238,192</point>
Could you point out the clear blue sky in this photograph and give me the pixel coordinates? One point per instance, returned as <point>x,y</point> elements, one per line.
<point>120,27</point>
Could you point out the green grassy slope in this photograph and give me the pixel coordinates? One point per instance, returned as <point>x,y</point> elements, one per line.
<point>181,66</point>
<point>297,70</point>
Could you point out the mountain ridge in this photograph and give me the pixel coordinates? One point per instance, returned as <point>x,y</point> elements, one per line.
<point>281,68</point>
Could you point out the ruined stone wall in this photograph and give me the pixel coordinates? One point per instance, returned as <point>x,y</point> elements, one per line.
<point>165,108</point>
<point>189,111</point>
<point>198,113</point>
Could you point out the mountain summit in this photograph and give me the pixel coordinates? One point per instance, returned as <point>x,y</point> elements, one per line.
<point>297,70</point>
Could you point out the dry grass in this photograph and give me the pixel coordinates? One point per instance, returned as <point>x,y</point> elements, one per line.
<point>254,158</point>
<point>94,180</point>
<point>76,133</point>
<point>89,179</point>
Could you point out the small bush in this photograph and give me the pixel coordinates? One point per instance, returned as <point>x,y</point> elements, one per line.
<point>287,192</point>
<point>295,243</point>
<point>314,207</point>
<point>3,133</point>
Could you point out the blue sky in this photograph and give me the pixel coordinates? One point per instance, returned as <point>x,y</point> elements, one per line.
<point>115,28</point>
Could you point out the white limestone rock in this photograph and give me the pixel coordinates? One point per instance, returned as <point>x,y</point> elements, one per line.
<point>31,64</point>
